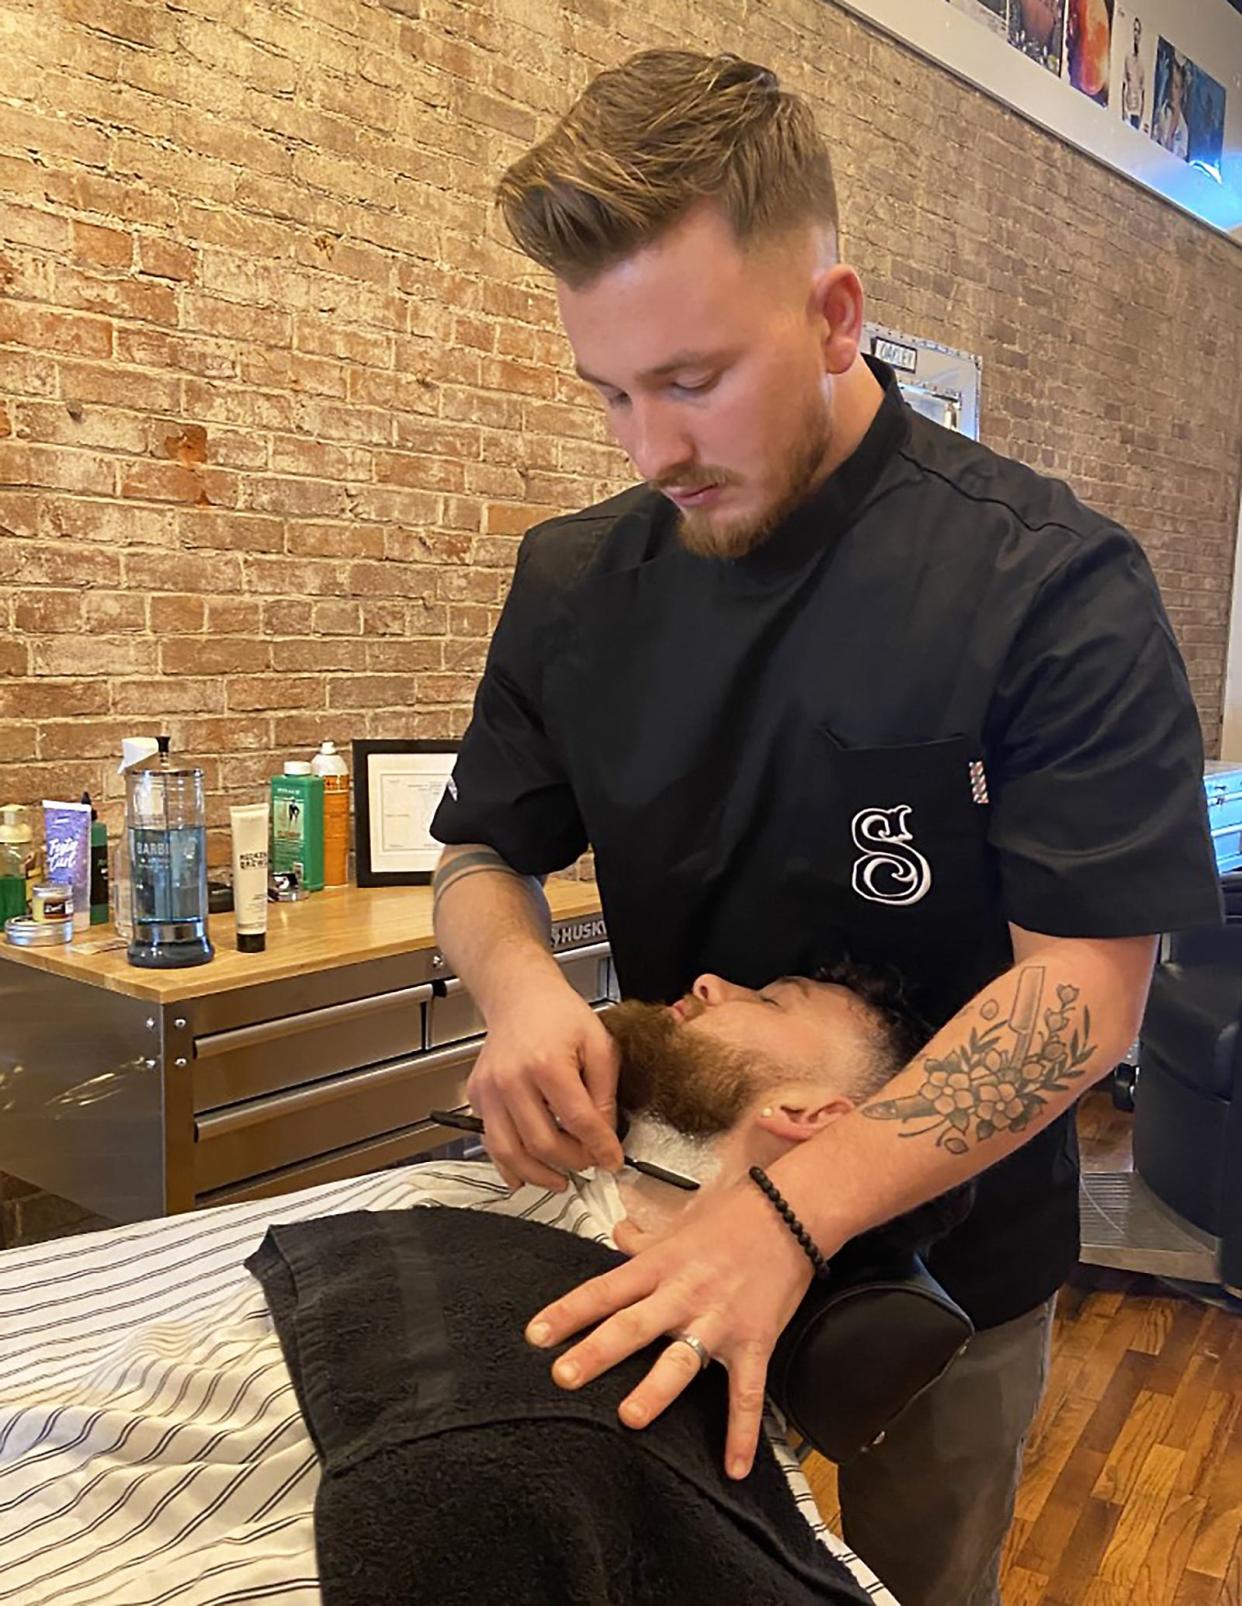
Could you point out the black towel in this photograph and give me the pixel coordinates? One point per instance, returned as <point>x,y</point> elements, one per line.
<point>456,1473</point>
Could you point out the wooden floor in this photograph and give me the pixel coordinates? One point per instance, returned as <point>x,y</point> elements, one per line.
<point>1132,1490</point>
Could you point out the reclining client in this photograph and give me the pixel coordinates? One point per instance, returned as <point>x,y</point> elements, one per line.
<point>402,1331</point>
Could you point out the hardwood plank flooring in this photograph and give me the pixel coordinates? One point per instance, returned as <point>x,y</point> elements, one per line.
<point>1132,1486</point>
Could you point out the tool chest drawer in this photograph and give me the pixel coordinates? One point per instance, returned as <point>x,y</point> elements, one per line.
<point>452,1015</point>
<point>265,1057</point>
<point>282,1129</point>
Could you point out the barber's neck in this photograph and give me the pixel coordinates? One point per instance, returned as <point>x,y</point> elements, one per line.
<point>856,399</point>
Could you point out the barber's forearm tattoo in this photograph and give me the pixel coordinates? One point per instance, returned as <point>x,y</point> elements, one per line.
<point>468,864</point>
<point>999,1079</point>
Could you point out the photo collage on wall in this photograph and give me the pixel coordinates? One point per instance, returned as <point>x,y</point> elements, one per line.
<point>1125,58</point>
<point>1037,29</point>
<point>1188,108</point>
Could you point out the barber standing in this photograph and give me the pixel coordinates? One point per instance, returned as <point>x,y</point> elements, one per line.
<point>833,678</point>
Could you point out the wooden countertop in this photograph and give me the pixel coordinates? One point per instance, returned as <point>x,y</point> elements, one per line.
<point>339,926</point>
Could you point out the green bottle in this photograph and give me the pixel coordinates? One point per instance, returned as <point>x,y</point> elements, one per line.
<point>297,824</point>
<point>15,841</point>
<point>99,866</point>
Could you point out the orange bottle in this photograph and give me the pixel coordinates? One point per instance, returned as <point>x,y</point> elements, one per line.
<point>329,763</point>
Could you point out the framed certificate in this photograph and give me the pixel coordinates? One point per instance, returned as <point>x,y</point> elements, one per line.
<point>397,789</point>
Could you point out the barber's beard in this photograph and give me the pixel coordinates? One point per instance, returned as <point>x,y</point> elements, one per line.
<point>718,536</point>
<point>686,1082</point>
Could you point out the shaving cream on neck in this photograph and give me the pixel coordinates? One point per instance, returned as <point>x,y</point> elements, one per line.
<point>649,1138</point>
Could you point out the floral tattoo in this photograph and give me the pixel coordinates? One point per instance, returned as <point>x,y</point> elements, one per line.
<point>1001,1078</point>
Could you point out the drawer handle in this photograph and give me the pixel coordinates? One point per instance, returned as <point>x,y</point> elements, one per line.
<point>233,1118</point>
<point>597,950</point>
<point>272,1031</point>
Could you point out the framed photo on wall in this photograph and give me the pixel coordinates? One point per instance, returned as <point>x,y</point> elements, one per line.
<point>397,789</point>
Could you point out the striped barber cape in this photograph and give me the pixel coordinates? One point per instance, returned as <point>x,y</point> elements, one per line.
<point>151,1448</point>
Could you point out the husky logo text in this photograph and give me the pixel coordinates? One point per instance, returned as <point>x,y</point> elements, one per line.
<point>890,870</point>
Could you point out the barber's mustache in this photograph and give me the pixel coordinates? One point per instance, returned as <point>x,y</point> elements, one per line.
<point>688,481</point>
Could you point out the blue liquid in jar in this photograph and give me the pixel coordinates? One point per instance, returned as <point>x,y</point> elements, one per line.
<point>169,875</point>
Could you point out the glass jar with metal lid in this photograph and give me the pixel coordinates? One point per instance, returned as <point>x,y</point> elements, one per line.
<point>51,900</point>
<point>166,819</point>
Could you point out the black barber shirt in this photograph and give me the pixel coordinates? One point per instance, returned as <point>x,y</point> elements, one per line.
<point>943,696</point>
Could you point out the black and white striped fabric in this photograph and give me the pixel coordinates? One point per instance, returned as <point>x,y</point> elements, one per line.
<point>151,1448</point>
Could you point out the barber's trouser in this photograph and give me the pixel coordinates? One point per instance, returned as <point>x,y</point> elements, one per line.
<point>929,1508</point>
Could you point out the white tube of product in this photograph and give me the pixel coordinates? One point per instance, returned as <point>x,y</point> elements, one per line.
<point>249,830</point>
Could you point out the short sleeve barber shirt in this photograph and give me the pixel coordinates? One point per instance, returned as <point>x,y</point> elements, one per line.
<point>942,696</point>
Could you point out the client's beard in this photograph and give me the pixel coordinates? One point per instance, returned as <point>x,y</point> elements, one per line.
<point>691,1083</point>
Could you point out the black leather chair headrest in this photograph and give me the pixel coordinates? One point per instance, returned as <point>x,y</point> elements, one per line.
<point>858,1350</point>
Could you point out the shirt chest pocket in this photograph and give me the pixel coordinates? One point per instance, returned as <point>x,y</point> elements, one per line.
<point>895,837</point>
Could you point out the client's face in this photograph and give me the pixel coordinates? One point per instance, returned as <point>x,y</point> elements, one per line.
<point>704,1063</point>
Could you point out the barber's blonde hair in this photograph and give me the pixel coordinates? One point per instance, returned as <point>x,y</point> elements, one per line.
<point>645,141</point>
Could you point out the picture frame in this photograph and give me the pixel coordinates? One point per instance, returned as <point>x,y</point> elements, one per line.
<point>398,785</point>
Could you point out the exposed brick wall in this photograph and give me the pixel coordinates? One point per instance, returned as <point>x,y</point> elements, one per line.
<point>277,398</point>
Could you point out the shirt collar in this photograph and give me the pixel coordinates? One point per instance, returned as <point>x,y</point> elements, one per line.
<point>834,505</point>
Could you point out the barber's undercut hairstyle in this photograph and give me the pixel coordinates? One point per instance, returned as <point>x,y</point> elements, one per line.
<point>648,140</point>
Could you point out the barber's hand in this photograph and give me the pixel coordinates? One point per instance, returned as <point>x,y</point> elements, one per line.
<point>732,1274</point>
<point>546,1060</point>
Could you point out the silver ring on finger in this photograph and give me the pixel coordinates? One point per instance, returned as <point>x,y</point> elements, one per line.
<point>697,1345</point>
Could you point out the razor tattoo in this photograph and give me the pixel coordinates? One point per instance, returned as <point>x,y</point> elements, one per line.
<point>1000,1078</point>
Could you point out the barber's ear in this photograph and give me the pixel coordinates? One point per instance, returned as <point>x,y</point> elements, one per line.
<point>795,1119</point>
<point>837,296</point>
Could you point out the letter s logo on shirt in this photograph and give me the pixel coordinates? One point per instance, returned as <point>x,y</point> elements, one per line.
<point>890,870</point>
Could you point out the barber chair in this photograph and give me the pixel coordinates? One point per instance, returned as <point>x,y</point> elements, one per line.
<point>1178,1215</point>
<point>861,1347</point>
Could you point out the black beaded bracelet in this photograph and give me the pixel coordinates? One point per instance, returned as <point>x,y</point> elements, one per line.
<point>759,1176</point>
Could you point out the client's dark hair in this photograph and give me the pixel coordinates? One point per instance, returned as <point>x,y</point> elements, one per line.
<point>903,1033</point>
<point>902,1030</point>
